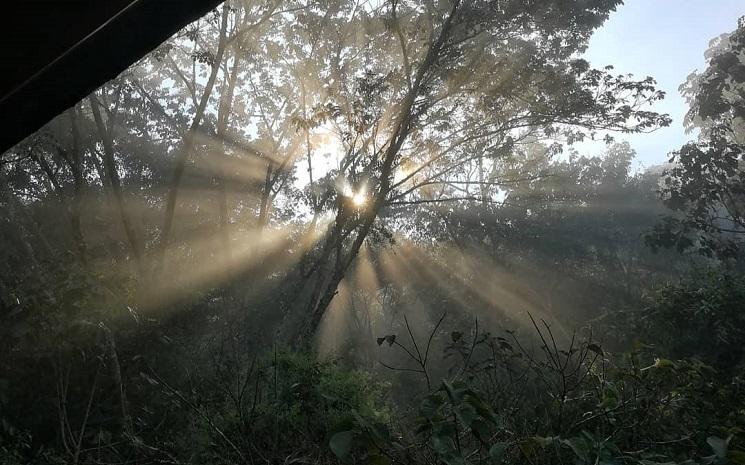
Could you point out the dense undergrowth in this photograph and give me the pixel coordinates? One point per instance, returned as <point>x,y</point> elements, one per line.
<point>451,395</point>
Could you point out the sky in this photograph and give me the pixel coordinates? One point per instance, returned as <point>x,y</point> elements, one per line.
<point>665,39</point>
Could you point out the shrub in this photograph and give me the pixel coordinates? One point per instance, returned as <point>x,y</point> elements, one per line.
<point>701,317</point>
<point>287,405</point>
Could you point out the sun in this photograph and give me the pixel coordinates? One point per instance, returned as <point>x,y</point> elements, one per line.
<point>359,199</point>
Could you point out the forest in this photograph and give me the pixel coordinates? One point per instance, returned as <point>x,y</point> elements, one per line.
<point>362,232</point>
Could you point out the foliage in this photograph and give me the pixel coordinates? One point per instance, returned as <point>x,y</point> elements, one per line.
<point>589,407</point>
<point>706,184</point>
<point>700,317</point>
<point>287,407</point>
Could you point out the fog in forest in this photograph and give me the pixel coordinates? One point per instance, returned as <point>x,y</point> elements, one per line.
<point>384,232</point>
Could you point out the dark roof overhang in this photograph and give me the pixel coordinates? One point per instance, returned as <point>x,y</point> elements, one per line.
<point>55,52</point>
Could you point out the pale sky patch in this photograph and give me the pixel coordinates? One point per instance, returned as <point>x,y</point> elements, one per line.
<point>665,39</point>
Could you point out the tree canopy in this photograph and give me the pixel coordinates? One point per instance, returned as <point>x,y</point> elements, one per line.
<point>706,183</point>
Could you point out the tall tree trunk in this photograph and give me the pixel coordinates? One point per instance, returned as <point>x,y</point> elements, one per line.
<point>116,188</point>
<point>109,203</point>
<point>482,182</point>
<point>308,148</point>
<point>222,175</point>
<point>264,202</point>
<point>116,373</point>
<point>76,167</point>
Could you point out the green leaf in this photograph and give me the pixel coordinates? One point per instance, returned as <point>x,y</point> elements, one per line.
<point>481,407</point>
<point>341,443</point>
<point>442,444</point>
<point>579,446</point>
<point>530,446</point>
<point>466,413</point>
<point>664,363</point>
<point>379,460</point>
<point>736,456</point>
<point>380,432</point>
<point>430,406</point>
<point>480,429</point>
<point>454,394</point>
<point>595,348</point>
<point>497,451</point>
<point>718,445</point>
<point>610,398</point>
<point>453,459</point>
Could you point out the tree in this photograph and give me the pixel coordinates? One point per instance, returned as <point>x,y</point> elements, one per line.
<point>706,187</point>
<point>489,76</point>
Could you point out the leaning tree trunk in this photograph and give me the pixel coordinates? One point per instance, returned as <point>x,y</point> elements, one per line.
<point>188,144</point>
<point>331,274</point>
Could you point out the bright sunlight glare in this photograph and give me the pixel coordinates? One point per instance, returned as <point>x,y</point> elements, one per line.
<point>359,199</point>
